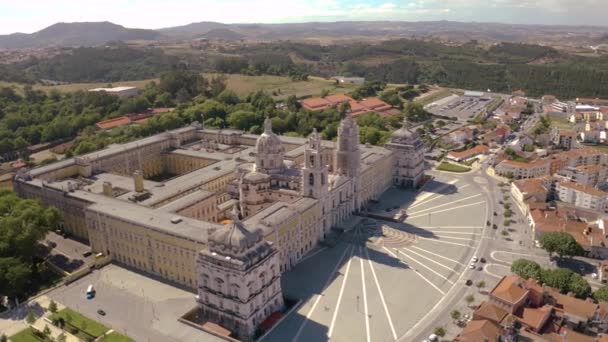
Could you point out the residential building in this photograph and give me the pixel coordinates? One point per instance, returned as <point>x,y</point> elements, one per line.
<point>581,196</point>
<point>520,309</point>
<point>522,170</point>
<point>587,175</point>
<point>467,154</point>
<point>564,138</point>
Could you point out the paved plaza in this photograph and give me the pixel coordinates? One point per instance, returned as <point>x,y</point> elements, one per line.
<point>383,278</point>
<point>136,305</point>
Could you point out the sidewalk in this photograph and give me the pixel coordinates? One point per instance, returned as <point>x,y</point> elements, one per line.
<point>16,323</point>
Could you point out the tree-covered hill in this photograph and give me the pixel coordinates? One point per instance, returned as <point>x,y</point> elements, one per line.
<point>501,67</point>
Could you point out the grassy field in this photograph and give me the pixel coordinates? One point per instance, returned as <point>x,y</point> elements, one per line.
<point>26,335</point>
<point>561,123</point>
<point>280,86</point>
<point>445,166</point>
<point>433,95</point>
<point>81,322</point>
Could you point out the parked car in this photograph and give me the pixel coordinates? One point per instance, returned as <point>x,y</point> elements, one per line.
<point>469,282</point>
<point>101,312</point>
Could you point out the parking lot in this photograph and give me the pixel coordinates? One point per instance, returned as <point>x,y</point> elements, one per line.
<point>140,307</point>
<point>461,107</point>
<point>384,278</point>
<point>65,253</point>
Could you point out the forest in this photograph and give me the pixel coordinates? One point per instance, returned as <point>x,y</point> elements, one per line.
<point>501,67</point>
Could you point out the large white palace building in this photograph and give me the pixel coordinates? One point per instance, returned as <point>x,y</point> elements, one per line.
<point>221,211</point>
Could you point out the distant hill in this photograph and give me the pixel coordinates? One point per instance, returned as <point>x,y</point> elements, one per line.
<point>222,34</point>
<point>76,34</point>
<point>383,30</point>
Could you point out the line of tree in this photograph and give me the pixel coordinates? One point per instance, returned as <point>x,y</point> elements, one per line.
<point>23,223</point>
<point>562,279</point>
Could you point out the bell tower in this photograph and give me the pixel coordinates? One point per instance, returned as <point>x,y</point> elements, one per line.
<point>348,156</point>
<point>314,171</point>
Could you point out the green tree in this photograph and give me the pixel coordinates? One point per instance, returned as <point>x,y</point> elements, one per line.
<point>469,299</point>
<point>47,331</point>
<point>53,306</point>
<point>439,331</point>
<point>561,243</point>
<point>228,97</point>
<point>455,314</point>
<point>3,338</point>
<point>15,275</point>
<point>558,278</point>
<point>30,318</point>
<point>579,286</point>
<point>601,295</point>
<point>526,269</point>
<point>480,285</point>
<point>415,112</point>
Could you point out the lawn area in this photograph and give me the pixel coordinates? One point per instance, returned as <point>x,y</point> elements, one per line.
<point>26,335</point>
<point>282,86</point>
<point>433,95</point>
<point>445,166</point>
<point>91,327</point>
<point>116,337</point>
<point>241,84</point>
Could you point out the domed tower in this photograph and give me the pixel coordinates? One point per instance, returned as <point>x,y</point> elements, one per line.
<point>408,149</point>
<point>348,156</point>
<point>269,151</point>
<point>239,279</point>
<point>314,172</point>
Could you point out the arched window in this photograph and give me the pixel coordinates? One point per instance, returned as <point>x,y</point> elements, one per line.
<point>311,179</point>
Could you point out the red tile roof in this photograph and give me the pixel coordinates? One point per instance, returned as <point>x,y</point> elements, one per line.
<point>479,149</point>
<point>536,318</point>
<point>490,312</point>
<point>338,98</point>
<point>112,123</point>
<point>583,188</point>
<point>480,331</point>
<point>509,291</point>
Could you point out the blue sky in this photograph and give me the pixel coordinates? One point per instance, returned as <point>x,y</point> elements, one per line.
<point>32,15</point>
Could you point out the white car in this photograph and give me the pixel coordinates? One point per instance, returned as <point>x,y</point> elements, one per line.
<point>474,259</point>
<point>472,266</point>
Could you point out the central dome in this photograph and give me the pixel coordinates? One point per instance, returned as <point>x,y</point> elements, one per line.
<point>268,142</point>
<point>235,238</point>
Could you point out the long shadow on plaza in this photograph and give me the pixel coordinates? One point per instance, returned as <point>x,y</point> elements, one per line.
<point>395,198</point>
<point>310,277</point>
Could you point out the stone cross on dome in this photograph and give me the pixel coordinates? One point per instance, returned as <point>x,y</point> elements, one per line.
<point>267,125</point>
<point>235,214</point>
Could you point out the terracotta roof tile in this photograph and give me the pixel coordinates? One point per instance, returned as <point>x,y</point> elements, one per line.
<point>480,331</point>
<point>490,312</point>
<point>509,291</point>
<point>116,122</point>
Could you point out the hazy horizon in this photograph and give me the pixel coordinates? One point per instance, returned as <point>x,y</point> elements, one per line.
<point>32,16</point>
